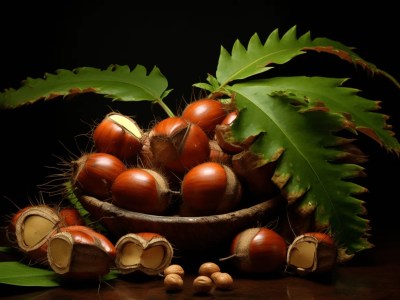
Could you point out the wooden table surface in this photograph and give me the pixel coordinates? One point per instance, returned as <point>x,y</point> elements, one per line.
<point>372,274</point>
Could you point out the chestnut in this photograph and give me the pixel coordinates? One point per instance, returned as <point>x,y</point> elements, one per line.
<point>206,113</point>
<point>178,144</point>
<point>141,190</point>
<point>118,135</point>
<point>209,188</point>
<point>258,250</point>
<point>93,173</point>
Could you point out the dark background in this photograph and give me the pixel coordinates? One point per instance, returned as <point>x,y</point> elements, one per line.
<point>183,40</point>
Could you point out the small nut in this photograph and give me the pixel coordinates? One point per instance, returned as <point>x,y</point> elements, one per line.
<point>222,281</point>
<point>202,284</point>
<point>174,269</point>
<point>207,268</point>
<point>173,282</point>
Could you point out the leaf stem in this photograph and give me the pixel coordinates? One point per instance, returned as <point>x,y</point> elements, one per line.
<point>166,108</point>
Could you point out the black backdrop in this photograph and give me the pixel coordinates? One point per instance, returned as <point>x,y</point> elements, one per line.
<point>184,41</point>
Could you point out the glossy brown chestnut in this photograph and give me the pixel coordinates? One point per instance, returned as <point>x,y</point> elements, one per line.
<point>179,145</point>
<point>141,190</point>
<point>206,113</point>
<point>258,250</point>
<point>210,188</point>
<point>94,173</point>
<point>118,135</point>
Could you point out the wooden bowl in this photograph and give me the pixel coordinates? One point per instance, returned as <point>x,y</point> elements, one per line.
<point>186,234</point>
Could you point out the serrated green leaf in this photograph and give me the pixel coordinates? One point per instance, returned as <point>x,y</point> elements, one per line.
<point>257,58</point>
<point>364,113</point>
<point>116,82</point>
<point>305,172</point>
<point>243,63</point>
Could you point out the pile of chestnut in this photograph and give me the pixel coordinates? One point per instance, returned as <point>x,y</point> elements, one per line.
<point>187,165</point>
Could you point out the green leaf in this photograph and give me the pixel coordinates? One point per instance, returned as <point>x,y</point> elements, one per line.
<point>258,57</point>
<point>16,273</point>
<point>302,136</point>
<point>362,112</point>
<point>116,82</point>
<point>243,63</point>
<point>211,86</point>
<point>20,274</point>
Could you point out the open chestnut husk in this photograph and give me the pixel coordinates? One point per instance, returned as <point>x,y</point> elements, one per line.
<point>312,252</point>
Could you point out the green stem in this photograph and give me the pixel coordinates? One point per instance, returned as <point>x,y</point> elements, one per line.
<point>166,108</point>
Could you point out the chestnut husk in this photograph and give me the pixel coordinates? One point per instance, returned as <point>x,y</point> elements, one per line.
<point>324,255</point>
